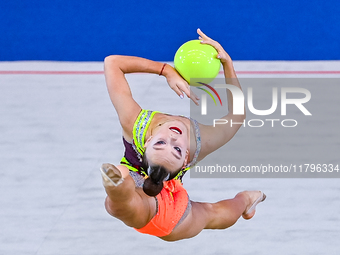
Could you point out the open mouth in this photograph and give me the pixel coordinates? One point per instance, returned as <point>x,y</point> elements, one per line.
<point>176,130</point>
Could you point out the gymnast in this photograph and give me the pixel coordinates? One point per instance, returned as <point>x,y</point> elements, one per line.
<point>145,190</point>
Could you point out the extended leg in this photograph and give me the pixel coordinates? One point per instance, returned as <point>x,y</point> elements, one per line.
<point>124,200</point>
<point>220,215</point>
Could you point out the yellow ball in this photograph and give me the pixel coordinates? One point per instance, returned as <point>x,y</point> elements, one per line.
<point>194,60</point>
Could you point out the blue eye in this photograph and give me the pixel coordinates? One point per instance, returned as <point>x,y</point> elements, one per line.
<point>160,142</point>
<point>178,149</point>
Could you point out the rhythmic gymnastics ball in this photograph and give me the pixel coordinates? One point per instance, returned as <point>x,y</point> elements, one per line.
<point>196,60</point>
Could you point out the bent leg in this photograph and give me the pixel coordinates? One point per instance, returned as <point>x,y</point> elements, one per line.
<point>220,215</point>
<point>125,201</point>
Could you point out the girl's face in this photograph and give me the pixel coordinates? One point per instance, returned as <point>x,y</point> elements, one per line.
<point>168,146</point>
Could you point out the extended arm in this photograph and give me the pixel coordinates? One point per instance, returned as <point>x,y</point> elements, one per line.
<point>120,94</point>
<point>127,108</point>
<point>215,137</point>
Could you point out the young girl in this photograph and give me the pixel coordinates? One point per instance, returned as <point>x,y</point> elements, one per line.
<point>145,190</point>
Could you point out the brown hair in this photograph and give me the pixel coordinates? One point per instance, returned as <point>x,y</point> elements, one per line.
<point>156,176</point>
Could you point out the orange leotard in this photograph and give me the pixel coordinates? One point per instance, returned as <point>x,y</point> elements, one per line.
<point>172,203</point>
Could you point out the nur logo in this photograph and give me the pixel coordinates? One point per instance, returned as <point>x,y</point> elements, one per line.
<point>238,103</point>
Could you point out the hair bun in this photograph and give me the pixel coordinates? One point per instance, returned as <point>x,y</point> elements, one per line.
<point>154,183</point>
<point>151,188</point>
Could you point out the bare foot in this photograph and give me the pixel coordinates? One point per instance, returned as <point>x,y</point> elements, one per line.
<point>255,197</point>
<point>111,175</point>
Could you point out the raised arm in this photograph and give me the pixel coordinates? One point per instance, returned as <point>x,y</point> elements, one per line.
<point>115,68</point>
<point>215,137</point>
<point>127,108</point>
